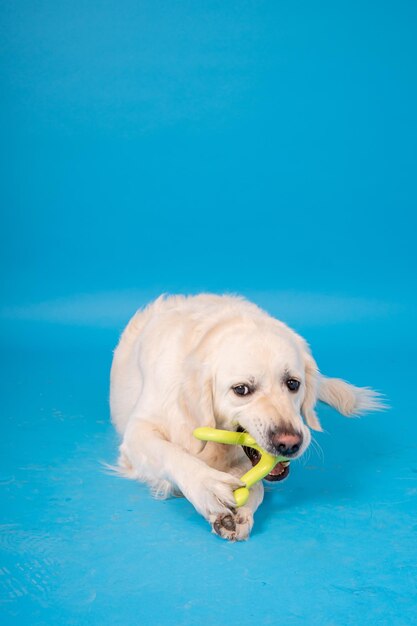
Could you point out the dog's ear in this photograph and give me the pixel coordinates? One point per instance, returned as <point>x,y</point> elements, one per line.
<point>311,373</point>
<point>196,402</point>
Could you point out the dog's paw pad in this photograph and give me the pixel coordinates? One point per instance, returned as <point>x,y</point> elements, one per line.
<point>224,523</point>
<point>233,526</point>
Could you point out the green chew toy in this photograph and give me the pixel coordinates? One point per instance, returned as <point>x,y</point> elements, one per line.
<point>264,466</point>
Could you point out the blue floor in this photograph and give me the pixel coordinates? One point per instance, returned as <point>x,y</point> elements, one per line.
<point>333,545</point>
<point>260,147</point>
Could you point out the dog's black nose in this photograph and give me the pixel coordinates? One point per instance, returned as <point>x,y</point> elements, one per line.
<point>287,444</point>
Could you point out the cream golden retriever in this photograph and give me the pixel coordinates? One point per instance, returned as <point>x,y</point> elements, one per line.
<point>219,361</point>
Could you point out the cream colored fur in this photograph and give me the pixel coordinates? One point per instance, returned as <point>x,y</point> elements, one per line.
<point>174,369</point>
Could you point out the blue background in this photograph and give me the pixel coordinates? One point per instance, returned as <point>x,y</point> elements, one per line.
<point>264,148</point>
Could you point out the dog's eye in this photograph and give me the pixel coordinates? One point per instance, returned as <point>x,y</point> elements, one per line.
<point>242,390</point>
<point>293,384</point>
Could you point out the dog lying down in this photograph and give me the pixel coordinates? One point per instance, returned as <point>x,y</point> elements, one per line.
<point>217,361</point>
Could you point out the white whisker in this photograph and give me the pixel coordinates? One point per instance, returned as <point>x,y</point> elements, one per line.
<point>306,456</point>
<point>318,449</point>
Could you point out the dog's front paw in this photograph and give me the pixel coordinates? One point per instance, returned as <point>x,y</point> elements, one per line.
<point>233,525</point>
<point>211,492</point>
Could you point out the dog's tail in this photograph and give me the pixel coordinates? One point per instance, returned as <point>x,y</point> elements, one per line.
<point>348,399</point>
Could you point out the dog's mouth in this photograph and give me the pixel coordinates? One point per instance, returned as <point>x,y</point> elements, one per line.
<point>281,469</point>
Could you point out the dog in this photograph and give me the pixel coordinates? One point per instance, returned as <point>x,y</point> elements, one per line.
<point>219,361</point>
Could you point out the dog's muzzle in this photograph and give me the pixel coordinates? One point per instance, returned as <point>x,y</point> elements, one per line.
<point>281,469</point>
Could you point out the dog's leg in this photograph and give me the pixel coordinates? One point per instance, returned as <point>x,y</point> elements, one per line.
<point>236,525</point>
<point>153,458</point>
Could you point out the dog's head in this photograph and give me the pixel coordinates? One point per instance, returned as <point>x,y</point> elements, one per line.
<point>260,378</point>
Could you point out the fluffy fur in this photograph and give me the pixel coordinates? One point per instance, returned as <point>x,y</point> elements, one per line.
<point>175,368</point>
